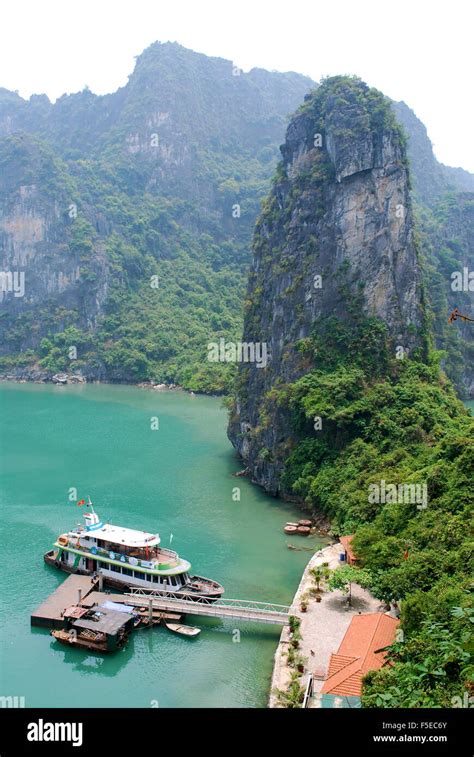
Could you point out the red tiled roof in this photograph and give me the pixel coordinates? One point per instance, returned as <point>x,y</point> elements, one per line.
<point>346,543</point>
<point>357,653</point>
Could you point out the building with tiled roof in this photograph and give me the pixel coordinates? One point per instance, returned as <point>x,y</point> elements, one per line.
<point>346,542</point>
<point>358,653</point>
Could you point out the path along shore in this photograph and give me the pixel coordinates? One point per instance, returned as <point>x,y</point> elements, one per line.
<point>323,625</point>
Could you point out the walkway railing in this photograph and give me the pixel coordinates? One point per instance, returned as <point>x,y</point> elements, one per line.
<point>308,691</point>
<point>198,604</point>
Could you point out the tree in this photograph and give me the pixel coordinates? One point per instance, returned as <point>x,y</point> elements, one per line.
<point>320,573</point>
<point>343,578</point>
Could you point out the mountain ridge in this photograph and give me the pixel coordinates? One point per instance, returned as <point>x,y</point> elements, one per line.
<point>166,176</point>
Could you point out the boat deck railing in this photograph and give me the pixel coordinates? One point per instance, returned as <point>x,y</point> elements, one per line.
<point>170,558</point>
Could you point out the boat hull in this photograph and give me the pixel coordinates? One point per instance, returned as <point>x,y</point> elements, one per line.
<point>189,631</point>
<point>206,588</point>
<point>64,637</point>
<point>50,559</point>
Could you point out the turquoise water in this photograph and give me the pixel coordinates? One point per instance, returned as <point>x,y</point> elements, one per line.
<point>175,480</point>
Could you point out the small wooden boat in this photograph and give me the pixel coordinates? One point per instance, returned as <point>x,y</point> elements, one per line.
<point>308,523</point>
<point>290,529</point>
<point>183,630</point>
<point>95,642</point>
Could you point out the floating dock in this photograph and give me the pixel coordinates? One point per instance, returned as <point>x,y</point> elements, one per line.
<point>139,606</point>
<point>83,591</point>
<point>72,591</point>
<point>153,607</point>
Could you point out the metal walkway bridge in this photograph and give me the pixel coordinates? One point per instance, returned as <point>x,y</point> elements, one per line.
<point>258,612</point>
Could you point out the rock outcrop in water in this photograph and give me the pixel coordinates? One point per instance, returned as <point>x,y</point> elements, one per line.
<point>335,239</point>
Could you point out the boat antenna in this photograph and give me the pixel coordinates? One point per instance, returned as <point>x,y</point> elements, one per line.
<point>90,503</point>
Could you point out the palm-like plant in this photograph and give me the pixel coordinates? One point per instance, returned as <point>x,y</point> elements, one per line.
<point>320,574</point>
<point>293,696</point>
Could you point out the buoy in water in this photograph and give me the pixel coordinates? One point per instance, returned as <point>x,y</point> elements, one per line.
<point>303,530</point>
<point>290,529</point>
<point>308,523</point>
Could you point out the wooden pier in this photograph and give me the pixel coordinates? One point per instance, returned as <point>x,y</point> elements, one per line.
<point>82,590</point>
<point>71,592</point>
<point>140,607</point>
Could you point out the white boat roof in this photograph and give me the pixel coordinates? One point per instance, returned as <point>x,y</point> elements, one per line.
<point>126,536</point>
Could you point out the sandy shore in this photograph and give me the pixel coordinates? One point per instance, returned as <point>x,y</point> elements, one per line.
<point>323,625</point>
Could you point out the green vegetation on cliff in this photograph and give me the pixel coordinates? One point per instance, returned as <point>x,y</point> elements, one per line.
<point>393,422</point>
<point>347,418</point>
<point>155,171</point>
<point>166,176</point>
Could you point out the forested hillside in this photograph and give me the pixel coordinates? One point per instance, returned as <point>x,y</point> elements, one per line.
<point>132,213</point>
<point>353,415</point>
<point>131,216</point>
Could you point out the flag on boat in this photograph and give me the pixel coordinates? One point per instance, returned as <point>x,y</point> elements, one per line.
<point>81,502</point>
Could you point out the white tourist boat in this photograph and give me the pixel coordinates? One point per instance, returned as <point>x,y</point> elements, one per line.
<point>127,558</point>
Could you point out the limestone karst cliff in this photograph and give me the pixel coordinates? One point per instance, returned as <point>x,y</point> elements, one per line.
<point>164,178</point>
<point>335,243</point>
<point>59,255</point>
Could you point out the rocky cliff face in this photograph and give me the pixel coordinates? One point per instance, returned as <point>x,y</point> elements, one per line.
<point>431,180</point>
<point>335,240</point>
<point>458,234</point>
<point>449,243</point>
<point>162,178</point>
<point>48,254</point>
<point>166,176</point>
<point>445,199</point>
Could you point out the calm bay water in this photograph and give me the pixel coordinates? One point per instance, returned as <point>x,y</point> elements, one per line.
<point>175,480</point>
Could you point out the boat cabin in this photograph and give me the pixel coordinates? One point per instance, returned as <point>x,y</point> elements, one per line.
<point>123,555</point>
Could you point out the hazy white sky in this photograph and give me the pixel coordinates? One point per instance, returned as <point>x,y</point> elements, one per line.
<point>419,51</point>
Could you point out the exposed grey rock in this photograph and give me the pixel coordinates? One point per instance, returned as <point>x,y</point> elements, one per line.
<point>342,212</point>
